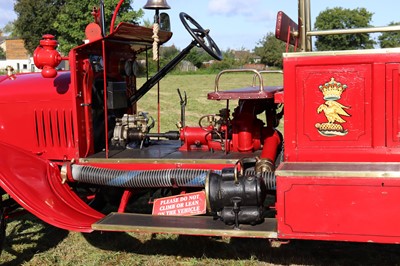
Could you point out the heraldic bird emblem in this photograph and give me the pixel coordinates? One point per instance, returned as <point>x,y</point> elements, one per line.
<point>333,110</point>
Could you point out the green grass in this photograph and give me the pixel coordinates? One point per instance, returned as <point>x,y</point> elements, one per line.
<point>197,87</point>
<point>31,242</point>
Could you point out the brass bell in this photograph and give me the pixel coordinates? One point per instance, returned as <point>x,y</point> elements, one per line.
<point>156,4</point>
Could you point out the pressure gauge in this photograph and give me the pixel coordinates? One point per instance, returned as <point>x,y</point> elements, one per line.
<point>128,68</point>
<point>124,67</point>
<point>135,68</point>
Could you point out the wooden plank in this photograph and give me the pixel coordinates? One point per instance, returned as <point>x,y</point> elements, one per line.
<point>189,225</point>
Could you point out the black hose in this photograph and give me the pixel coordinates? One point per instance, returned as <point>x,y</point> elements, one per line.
<point>165,178</point>
<point>140,178</point>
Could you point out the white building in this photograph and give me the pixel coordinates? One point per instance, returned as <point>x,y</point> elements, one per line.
<point>16,56</point>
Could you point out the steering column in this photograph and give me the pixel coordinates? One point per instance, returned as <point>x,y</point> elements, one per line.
<point>201,38</point>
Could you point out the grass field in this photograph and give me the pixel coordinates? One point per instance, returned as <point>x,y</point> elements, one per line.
<point>31,242</point>
<point>196,87</point>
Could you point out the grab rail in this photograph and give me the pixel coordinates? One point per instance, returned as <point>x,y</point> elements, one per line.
<point>257,74</point>
<point>267,72</point>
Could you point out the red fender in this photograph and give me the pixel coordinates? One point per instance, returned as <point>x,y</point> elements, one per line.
<point>36,185</point>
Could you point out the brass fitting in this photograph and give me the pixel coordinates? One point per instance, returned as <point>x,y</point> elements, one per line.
<point>264,165</point>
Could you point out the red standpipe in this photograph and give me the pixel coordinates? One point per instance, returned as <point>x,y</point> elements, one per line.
<point>272,140</point>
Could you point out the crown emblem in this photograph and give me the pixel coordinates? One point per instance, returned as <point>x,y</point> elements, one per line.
<point>334,111</point>
<point>332,90</point>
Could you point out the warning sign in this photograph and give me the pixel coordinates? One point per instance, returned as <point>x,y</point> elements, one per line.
<point>181,205</point>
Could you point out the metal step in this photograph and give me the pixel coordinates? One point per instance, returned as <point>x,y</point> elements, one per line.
<point>189,225</point>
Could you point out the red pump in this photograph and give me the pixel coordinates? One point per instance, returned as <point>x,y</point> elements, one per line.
<point>245,133</point>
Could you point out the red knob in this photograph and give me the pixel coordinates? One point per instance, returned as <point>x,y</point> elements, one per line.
<point>48,42</point>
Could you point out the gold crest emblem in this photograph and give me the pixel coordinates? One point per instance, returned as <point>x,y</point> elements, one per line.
<point>333,110</point>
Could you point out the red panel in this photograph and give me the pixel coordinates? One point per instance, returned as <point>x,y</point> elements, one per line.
<point>347,127</point>
<point>393,105</point>
<point>357,126</point>
<point>349,209</point>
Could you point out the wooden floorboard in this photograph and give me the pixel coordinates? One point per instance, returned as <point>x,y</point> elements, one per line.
<point>192,225</point>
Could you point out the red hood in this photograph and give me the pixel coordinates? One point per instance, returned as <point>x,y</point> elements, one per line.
<point>38,114</point>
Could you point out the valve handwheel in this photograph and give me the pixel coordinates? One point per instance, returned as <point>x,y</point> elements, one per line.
<point>211,120</point>
<point>201,36</point>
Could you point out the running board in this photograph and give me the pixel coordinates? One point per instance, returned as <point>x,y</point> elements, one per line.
<point>181,225</point>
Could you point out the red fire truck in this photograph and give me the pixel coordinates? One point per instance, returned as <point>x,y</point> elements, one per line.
<point>73,141</point>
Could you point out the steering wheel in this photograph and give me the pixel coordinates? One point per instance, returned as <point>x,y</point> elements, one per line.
<point>201,36</point>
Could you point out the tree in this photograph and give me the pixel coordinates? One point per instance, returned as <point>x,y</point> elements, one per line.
<point>147,23</point>
<point>228,62</point>
<point>9,29</point>
<point>340,18</point>
<point>270,50</point>
<point>197,56</point>
<point>35,18</point>
<point>242,56</point>
<point>168,52</point>
<point>2,54</point>
<point>73,17</point>
<point>390,39</point>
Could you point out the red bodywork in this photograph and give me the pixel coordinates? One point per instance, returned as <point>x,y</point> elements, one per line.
<point>348,188</point>
<point>371,98</point>
<point>55,126</point>
<point>37,186</point>
<point>46,109</point>
<point>344,202</point>
<point>337,172</point>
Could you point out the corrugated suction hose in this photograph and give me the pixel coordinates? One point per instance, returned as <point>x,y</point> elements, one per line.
<point>140,178</point>
<point>164,178</point>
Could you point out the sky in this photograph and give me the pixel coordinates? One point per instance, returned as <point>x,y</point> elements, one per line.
<point>240,24</point>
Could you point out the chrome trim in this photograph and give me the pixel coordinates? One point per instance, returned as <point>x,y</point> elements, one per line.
<point>207,190</point>
<point>64,173</point>
<point>304,14</point>
<point>265,72</point>
<point>353,31</point>
<point>308,25</point>
<point>304,22</point>
<point>344,52</point>
<point>256,73</point>
<point>156,161</point>
<point>339,170</point>
<point>302,29</point>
